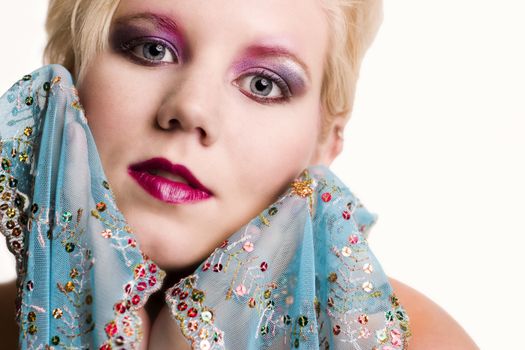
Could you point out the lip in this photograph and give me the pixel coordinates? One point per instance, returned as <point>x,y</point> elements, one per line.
<point>167,190</point>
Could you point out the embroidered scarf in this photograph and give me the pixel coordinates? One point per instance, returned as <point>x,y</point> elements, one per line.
<point>300,275</point>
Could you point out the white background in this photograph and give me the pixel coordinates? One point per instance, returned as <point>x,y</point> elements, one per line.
<point>435,147</point>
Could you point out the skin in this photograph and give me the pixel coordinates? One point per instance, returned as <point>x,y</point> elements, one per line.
<point>196,106</point>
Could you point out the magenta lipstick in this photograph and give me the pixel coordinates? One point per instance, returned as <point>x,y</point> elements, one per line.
<point>170,183</point>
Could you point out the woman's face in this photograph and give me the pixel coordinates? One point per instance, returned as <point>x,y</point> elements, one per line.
<point>229,89</point>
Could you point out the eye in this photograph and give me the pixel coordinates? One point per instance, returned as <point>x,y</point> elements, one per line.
<point>151,51</point>
<point>264,86</point>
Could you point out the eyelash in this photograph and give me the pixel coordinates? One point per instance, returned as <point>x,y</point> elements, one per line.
<point>129,46</point>
<point>280,82</point>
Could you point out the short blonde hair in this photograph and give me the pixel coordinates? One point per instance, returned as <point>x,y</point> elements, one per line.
<point>79,29</point>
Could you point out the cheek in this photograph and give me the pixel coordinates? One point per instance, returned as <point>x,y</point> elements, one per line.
<point>277,152</point>
<point>115,100</point>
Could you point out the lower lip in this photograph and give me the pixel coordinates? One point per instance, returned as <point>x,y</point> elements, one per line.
<point>166,190</point>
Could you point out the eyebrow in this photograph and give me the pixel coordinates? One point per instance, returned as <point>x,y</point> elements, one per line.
<point>160,21</point>
<point>167,23</point>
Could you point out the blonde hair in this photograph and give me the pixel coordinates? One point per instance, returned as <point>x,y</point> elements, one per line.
<point>77,32</point>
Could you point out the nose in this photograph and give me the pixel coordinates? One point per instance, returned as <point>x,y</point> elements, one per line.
<point>190,107</point>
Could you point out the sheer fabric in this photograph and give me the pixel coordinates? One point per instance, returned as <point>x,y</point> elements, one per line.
<point>298,276</point>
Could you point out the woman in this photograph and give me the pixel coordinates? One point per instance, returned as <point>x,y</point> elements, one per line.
<point>188,165</point>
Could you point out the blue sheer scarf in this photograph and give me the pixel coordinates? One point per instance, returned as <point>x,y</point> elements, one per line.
<point>298,276</point>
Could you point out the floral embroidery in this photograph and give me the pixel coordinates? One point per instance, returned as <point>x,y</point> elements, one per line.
<point>299,275</point>
<point>52,238</point>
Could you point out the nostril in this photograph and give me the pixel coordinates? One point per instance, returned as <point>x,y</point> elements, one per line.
<point>202,132</point>
<point>174,124</point>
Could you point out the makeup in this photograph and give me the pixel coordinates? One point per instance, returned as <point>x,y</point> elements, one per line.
<point>146,28</point>
<point>170,183</point>
<point>278,60</point>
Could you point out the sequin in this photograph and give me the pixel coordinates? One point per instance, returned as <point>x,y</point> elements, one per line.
<point>101,206</point>
<point>346,215</point>
<point>367,286</point>
<point>302,188</point>
<point>73,273</point>
<point>197,296</point>
<point>192,312</point>
<point>31,316</point>
<point>69,287</point>
<point>193,326</point>
<point>47,86</point>
<point>207,316</point>
<point>332,277</point>
<point>368,268</point>
<point>248,246</point>
<point>57,313</point>
<point>29,100</point>
<point>30,285</point>
<point>269,298</point>
<point>252,303</point>
<point>111,329</point>
<point>326,197</point>
<point>23,157</point>
<point>204,345</point>
<point>119,340</point>
<point>363,319</point>
<point>70,247</point>
<point>67,216</point>
<point>17,231</point>
<point>26,77</point>
<point>287,319</point>
<point>203,333</point>
<point>33,329</point>
<point>107,233</point>
<point>6,164</point>
<point>55,340</point>
<point>353,239</point>
<point>13,182</point>
<point>240,290</point>
<point>267,294</point>
<point>182,306</point>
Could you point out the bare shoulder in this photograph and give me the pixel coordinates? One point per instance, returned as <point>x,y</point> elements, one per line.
<point>431,326</point>
<point>8,329</point>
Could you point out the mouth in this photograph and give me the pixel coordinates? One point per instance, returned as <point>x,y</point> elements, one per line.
<point>168,182</point>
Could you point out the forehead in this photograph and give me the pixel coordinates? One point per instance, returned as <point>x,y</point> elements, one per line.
<point>298,25</point>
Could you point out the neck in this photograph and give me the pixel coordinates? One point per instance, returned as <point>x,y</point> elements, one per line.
<point>156,301</point>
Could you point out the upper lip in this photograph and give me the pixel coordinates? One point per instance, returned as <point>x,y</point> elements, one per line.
<point>160,163</point>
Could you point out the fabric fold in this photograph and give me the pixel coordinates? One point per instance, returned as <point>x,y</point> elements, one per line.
<point>298,275</point>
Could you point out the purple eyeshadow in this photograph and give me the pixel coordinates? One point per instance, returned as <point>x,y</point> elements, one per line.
<point>283,67</point>
<point>125,32</point>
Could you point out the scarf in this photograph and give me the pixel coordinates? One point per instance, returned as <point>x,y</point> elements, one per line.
<point>300,275</point>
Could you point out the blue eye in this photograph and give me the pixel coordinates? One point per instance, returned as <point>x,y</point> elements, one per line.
<point>265,86</point>
<point>150,51</point>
